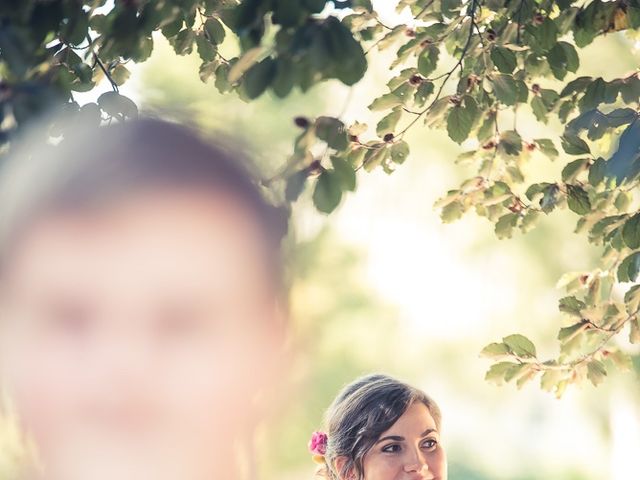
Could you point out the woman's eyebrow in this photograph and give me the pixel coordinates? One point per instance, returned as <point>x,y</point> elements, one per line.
<point>397,438</point>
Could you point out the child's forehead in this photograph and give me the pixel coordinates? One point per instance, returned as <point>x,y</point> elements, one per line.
<point>180,233</point>
<point>175,210</point>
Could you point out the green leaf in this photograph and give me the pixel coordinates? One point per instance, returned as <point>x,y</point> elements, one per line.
<point>207,69</point>
<point>578,199</point>
<point>577,85</point>
<point>120,74</point>
<point>630,89</point>
<point>566,334</point>
<point>621,116</point>
<point>388,123</point>
<point>515,372</point>
<point>437,112</point>
<point>399,151</point>
<point>171,29</point>
<point>525,375</point>
<point>405,91</point>
<point>573,61</point>
<point>183,41</point>
<point>497,372</point>
<point>520,345</point>
<point>505,225</point>
<point>295,185</point>
<point>550,378</point>
<point>550,197</point>
<point>388,100</point>
<point>547,147</point>
<point>283,82</point>
<point>522,92</point>
<point>391,37</point>
<point>510,142</point>
<point>546,34</point>
<point>597,171</point>
<point>75,31</point>
<point>574,145</point>
<point>529,220</point>
<point>629,268</point>
<point>631,232</point>
<point>494,350</point>
<point>214,30</point>
<point>345,173</point>
<point>428,60</point>
<point>259,77</point>
<point>572,306</point>
<point>143,50</point>
<point>328,192</point>
<point>451,212</point>
<point>424,91</point>
<point>503,58</point>
<point>632,300</point>
<point>348,60</point>
<point>90,115</point>
<point>332,131</point>
<point>563,58</point>
<point>593,95</point>
<point>596,372</point>
<point>539,109</point>
<point>504,88</point>
<point>574,168</point>
<point>222,82</point>
<point>621,360</point>
<point>115,104</point>
<point>461,118</point>
<point>633,14</point>
<point>374,157</point>
<point>634,329</point>
<point>206,49</point>
<point>549,97</point>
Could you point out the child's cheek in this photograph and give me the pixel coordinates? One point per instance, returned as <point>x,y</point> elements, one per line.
<point>43,387</point>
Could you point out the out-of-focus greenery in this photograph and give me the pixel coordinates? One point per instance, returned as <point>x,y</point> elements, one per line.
<point>467,286</point>
<point>468,68</point>
<point>16,450</point>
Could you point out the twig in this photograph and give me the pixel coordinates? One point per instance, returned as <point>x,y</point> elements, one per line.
<point>98,62</point>
<point>449,73</point>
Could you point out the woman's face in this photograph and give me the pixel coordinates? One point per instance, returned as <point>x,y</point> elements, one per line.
<point>409,450</point>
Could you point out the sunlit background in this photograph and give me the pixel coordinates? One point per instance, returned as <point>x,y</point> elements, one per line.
<point>383,285</point>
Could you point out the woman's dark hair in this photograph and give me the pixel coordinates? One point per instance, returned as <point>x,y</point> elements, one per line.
<point>92,165</point>
<point>361,413</point>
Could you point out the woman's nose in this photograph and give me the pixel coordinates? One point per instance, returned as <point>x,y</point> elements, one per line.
<point>419,465</point>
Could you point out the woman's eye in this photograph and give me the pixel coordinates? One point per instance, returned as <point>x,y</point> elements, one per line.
<point>393,448</point>
<point>430,443</point>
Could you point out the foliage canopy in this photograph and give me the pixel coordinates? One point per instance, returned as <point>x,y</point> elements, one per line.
<point>467,67</point>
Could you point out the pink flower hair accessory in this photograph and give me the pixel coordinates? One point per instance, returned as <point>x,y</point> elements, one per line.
<point>318,446</point>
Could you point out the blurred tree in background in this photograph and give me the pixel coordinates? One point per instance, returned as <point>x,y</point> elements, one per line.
<point>474,68</point>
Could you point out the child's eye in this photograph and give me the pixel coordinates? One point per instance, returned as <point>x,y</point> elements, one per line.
<point>68,317</point>
<point>391,448</point>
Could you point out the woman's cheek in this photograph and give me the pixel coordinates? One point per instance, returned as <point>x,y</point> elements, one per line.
<point>439,466</point>
<point>382,467</point>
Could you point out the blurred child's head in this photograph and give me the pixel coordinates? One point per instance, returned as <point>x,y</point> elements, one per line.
<point>140,290</point>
